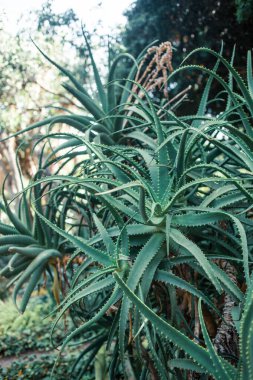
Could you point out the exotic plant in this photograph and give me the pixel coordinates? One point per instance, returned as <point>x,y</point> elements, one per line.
<point>108,115</point>
<point>33,248</point>
<point>154,227</point>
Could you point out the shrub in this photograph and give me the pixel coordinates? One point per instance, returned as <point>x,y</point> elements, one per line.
<point>157,230</point>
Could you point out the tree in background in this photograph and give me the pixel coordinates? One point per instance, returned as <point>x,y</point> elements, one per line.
<point>189,24</point>
<point>29,84</point>
<point>244,10</point>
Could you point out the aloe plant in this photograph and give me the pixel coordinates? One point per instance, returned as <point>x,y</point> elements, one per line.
<point>31,245</point>
<point>107,115</point>
<point>144,224</point>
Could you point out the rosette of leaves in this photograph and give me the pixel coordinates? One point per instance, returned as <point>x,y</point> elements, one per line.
<point>29,246</point>
<point>158,208</point>
<point>181,199</point>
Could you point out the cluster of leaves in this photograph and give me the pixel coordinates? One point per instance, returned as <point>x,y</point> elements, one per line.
<point>40,368</point>
<point>27,337</point>
<point>244,10</point>
<point>19,342</point>
<point>146,206</point>
<point>27,332</point>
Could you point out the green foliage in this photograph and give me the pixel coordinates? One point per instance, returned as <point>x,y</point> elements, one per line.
<point>25,349</point>
<point>244,10</point>
<point>12,321</point>
<point>187,25</point>
<point>39,367</point>
<point>107,111</point>
<point>27,332</point>
<point>145,205</point>
<point>32,248</point>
